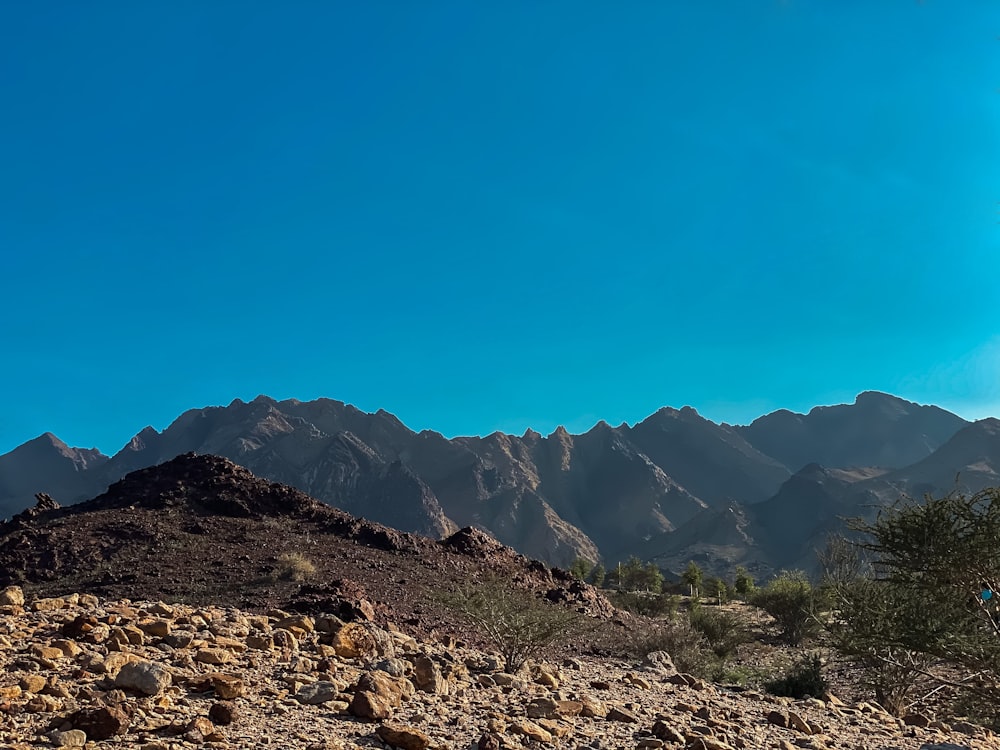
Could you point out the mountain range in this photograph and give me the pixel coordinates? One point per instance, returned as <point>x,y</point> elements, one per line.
<point>671,488</point>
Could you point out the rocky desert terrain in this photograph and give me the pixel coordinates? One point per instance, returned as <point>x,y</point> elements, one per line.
<point>79,671</point>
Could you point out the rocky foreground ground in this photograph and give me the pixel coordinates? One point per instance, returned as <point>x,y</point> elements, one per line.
<point>76,671</point>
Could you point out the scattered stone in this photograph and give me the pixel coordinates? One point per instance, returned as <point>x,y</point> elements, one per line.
<point>100,723</point>
<point>143,676</point>
<point>223,713</point>
<point>12,596</point>
<point>213,655</point>
<point>405,738</point>
<point>620,714</point>
<point>316,693</point>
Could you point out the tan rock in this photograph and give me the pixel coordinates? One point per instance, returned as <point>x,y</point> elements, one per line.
<point>232,644</point>
<point>530,729</point>
<point>33,683</point>
<point>213,656</point>
<point>155,628</point>
<point>592,708</point>
<point>555,727</point>
<point>709,743</point>
<point>46,652</point>
<point>70,738</point>
<point>12,596</point>
<point>427,675</point>
<point>260,642</point>
<point>302,623</point>
<point>228,686</point>
<point>10,692</point>
<point>405,738</point>
<point>46,605</point>
<point>353,641</point>
<point>798,723</point>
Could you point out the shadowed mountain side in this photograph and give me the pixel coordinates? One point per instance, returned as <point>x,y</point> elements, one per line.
<point>717,540</point>
<point>783,532</point>
<point>46,464</point>
<point>876,430</point>
<point>711,461</point>
<point>970,461</point>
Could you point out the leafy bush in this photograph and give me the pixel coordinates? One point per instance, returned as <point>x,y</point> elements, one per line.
<point>932,596</point>
<point>744,585</point>
<point>723,631</point>
<point>648,605</point>
<point>805,678</point>
<point>518,624</point>
<point>793,602</point>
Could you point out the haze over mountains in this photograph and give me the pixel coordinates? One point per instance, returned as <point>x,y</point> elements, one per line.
<point>671,488</point>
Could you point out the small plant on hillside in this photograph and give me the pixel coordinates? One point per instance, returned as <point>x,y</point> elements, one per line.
<point>724,631</point>
<point>744,585</point>
<point>692,576</point>
<point>804,678</point>
<point>294,566</point>
<point>580,568</point>
<point>793,602</point>
<point>686,646</point>
<point>518,624</point>
<point>648,605</point>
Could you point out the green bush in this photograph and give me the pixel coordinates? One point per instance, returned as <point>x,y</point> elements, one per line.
<point>518,624</point>
<point>724,631</point>
<point>793,602</point>
<point>648,605</point>
<point>805,678</point>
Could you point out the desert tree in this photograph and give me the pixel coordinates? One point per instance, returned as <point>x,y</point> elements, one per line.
<point>929,598</point>
<point>519,624</point>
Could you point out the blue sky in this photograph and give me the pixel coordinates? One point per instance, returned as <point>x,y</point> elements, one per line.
<point>485,216</point>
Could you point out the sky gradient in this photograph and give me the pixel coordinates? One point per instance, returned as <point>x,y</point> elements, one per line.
<point>484,216</point>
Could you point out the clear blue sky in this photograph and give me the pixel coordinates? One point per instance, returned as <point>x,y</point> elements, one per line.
<point>486,215</point>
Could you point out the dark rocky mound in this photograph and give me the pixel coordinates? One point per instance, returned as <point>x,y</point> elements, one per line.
<point>204,485</point>
<point>200,529</point>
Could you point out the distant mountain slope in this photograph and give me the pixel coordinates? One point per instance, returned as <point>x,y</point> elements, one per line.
<point>876,430</point>
<point>672,485</point>
<point>969,461</point>
<point>46,464</point>
<point>712,461</point>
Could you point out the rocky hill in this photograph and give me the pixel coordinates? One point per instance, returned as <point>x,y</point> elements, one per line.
<point>604,494</point>
<point>202,529</point>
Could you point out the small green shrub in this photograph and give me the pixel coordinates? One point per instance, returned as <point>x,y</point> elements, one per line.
<point>518,623</point>
<point>648,605</point>
<point>723,631</point>
<point>804,678</point>
<point>793,602</point>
